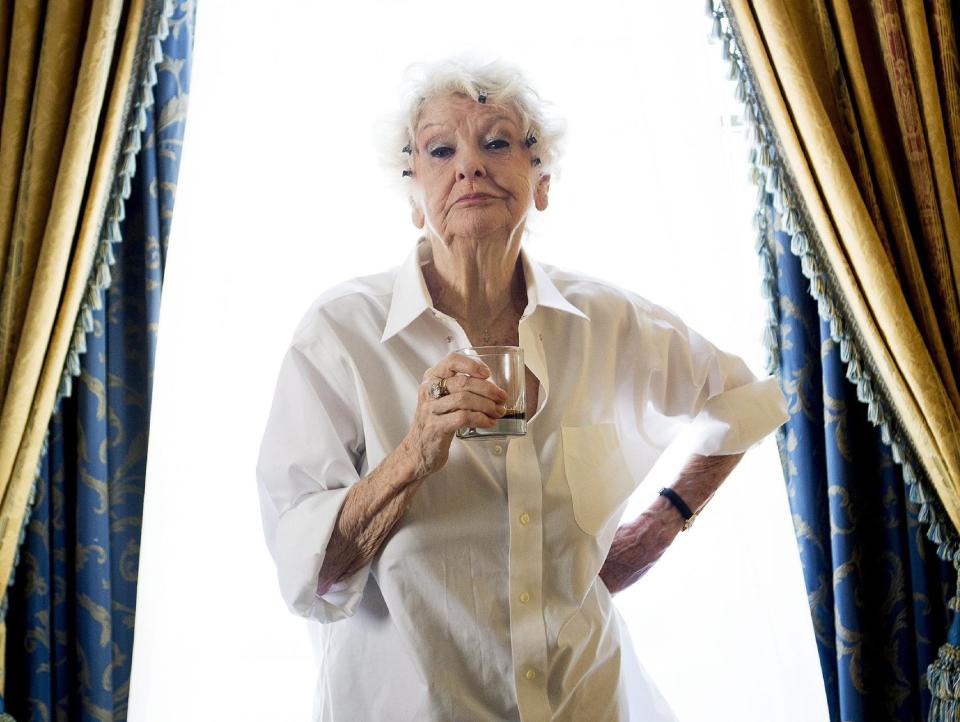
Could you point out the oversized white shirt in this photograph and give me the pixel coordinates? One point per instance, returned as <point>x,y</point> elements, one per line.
<point>485,603</point>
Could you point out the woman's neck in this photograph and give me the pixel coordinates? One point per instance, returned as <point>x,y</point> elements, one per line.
<point>476,283</point>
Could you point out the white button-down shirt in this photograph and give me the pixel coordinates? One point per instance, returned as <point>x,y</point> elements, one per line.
<point>485,603</point>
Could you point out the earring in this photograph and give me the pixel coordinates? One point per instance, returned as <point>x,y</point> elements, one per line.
<point>407,173</point>
<point>482,97</point>
<point>530,141</point>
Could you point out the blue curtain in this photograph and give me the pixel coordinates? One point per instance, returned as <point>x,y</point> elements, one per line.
<point>70,620</point>
<point>871,533</point>
<point>876,587</point>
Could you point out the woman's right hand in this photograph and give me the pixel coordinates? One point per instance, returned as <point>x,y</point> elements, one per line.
<point>473,400</point>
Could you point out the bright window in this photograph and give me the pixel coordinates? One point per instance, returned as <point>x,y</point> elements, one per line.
<point>280,197</point>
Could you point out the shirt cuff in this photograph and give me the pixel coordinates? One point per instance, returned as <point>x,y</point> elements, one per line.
<point>736,420</point>
<point>302,535</point>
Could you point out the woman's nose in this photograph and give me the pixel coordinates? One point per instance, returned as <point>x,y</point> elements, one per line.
<point>470,165</point>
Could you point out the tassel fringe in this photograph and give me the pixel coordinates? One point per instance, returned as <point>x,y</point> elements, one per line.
<point>100,276</point>
<point>772,179</point>
<point>943,679</point>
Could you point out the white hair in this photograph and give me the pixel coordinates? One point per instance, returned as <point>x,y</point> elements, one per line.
<point>497,83</point>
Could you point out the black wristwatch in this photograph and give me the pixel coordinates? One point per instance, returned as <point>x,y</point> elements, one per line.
<point>681,505</point>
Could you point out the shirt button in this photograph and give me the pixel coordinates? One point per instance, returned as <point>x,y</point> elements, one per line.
<point>498,449</point>
<point>524,518</point>
<point>524,597</point>
<point>531,674</point>
<point>449,339</point>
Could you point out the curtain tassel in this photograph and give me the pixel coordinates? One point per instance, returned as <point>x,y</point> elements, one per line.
<point>885,433</point>
<point>766,157</point>
<point>943,676</point>
<point>80,339</point>
<point>86,317</point>
<point>933,533</point>
<point>103,275</point>
<point>734,66</point>
<point>740,92</point>
<point>716,31</point>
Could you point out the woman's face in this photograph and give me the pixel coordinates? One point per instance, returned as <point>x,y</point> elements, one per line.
<point>473,171</point>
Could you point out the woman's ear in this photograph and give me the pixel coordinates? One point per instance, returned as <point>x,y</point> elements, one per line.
<point>416,214</point>
<point>541,192</point>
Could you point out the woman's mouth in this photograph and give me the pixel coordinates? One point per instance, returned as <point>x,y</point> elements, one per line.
<point>472,198</point>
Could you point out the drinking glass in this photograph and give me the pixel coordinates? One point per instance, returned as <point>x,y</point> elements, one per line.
<point>508,372</point>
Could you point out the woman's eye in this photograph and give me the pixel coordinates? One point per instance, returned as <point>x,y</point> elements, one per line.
<point>497,144</point>
<point>441,151</point>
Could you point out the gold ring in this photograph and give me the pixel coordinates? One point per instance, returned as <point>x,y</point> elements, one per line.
<point>438,388</point>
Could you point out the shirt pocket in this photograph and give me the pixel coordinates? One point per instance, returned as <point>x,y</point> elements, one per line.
<point>597,474</point>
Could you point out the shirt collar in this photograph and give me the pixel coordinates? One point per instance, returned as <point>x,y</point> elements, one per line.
<point>411,297</point>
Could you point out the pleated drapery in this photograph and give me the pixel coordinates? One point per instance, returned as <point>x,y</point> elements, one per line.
<point>853,111</point>
<point>72,606</point>
<point>77,81</point>
<point>862,97</point>
<point>876,588</point>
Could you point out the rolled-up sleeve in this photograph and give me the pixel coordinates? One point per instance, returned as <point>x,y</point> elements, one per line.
<point>730,410</point>
<point>309,457</point>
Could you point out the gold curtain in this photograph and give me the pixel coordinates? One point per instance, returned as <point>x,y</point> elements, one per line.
<point>864,96</point>
<point>67,87</point>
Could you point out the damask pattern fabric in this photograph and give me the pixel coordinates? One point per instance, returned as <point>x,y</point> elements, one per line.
<point>862,99</point>
<point>876,588</point>
<point>852,107</point>
<point>71,615</point>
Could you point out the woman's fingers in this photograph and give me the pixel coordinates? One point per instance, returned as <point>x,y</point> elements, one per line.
<point>463,418</point>
<point>468,387</point>
<point>456,363</point>
<point>481,387</point>
<point>468,401</point>
<point>471,401</point>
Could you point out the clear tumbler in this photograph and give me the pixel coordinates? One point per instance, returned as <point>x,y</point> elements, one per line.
<point>507,371</point>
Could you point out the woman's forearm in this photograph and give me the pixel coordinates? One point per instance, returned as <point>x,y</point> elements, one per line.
<point>639,544</point>
<point>372,508</point>
<point>700,479</point>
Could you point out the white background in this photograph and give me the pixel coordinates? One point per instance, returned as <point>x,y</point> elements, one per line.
<point>280,196</point>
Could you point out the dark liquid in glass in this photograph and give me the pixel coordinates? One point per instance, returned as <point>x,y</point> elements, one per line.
<point>512,424</point>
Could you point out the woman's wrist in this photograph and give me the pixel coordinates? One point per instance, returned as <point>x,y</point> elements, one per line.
<point>669,519</point>
<point>662,507</point>
<point>407,463</point>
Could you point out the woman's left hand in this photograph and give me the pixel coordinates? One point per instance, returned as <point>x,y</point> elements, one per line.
<point>638,545</point>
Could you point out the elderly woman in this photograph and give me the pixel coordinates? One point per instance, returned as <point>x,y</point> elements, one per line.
<point>472,579</point>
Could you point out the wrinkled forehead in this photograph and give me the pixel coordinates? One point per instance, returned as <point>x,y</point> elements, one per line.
<point>450,111</point>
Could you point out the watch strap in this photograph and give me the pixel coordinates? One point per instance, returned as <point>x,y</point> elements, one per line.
<point>681,506</point>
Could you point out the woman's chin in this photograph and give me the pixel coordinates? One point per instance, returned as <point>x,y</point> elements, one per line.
<point>480,230</point>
